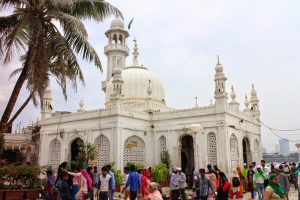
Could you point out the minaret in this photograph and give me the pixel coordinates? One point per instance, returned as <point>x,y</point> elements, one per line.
<point>254,103</point>
<point>46,108</point>
<point>117,97</point>
<point>246,103</point>
<point>233,104</point>
<point>116,50</point>
<point>220,90</point>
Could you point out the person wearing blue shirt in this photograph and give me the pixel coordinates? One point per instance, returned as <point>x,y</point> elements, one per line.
<point>64,191</point>
<point>113,182</point>
<point>133,183</point>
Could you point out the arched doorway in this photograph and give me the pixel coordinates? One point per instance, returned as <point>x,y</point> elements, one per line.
<point>246,151</point>
<point>75,148</point>
<point>187,154</point>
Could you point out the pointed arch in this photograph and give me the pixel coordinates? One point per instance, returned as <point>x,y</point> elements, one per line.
<point>234,151</point>
<point>134,150</point>
<point>55,153</point>
<point>256,150</point>
<point>103,150</point>
<point>212,148</point>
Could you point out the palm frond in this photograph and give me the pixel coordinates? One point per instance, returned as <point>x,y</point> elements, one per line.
<point>4,4</point>
<point>15,72</point>
<point>85,49</point>
<point>69,23</point>
<point>94,9</point>
<point>17,38</point>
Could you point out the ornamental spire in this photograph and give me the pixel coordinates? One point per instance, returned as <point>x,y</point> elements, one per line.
<point>135,54</point>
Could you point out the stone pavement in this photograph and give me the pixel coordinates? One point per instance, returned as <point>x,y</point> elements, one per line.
<point>293,195</point>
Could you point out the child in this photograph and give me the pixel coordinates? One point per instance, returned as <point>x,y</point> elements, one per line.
<point>104,184</point>
<point>64,192</point>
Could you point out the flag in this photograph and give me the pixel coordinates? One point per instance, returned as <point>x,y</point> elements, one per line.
<point>129,25</point>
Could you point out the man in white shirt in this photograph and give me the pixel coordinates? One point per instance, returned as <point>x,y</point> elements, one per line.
<point>104,184</point>
<point>126,189</point>
<point>181,183</point>
<point>174,185</point>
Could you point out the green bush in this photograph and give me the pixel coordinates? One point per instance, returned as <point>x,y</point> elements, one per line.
<point>19,177</point>
<point>165,158</point>
<point>118,176</point>
<point>159,173</point>
<point>137,165</point>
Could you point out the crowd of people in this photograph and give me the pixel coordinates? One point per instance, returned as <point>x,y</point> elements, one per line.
<point>271,182</point>
<point>79,184</point>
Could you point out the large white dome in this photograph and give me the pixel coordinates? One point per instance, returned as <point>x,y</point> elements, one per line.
<point>135,86</point>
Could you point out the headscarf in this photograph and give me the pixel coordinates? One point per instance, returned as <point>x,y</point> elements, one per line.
<point>276,187</point>
<point>88,179</point>
<point>154,185</point>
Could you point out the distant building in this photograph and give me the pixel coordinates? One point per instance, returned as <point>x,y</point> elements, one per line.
<point>265,150</point>
<point>277,148</point>
<point>284,147</point>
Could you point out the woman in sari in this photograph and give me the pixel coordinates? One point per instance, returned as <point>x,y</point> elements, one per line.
<point>213,179</point>
<point>239,171</point>
<point>274,191</point>
<point>145,184</point>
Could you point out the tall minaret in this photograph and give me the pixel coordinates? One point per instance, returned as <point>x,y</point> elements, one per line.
<point>254,103</point>
<point>220,91</point>
<point>116,50</point>
<point>46,108</point>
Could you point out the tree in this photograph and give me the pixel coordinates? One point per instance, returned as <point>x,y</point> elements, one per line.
<point>165,158</point>
<point>31,29</point>
<point>86,152</point>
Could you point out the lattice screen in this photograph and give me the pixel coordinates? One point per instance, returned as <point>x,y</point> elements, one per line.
<point>134,150</point>
<point>103,150</point>
<point>212,148</point>
<point>55,152</point>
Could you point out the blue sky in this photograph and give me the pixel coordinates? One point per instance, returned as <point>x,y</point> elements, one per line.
<point>257,40</point>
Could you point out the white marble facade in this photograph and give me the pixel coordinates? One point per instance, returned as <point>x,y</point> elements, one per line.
<point>136,123</point>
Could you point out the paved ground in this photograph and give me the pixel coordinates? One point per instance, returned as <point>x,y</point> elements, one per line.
<point>293,195</point>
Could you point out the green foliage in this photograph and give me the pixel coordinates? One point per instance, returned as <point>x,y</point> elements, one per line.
<point>20,176</point>
<point>86,152</point>
<point>159,173</point>
<point>137,165</point>
<point>165,158</point>
<point>118,176</point>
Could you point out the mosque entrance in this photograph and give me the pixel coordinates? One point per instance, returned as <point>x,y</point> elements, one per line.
<point>187,154</point>
<point>246,151</point>
<point>75,148</point>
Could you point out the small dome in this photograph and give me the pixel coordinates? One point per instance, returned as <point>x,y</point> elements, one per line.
<point>232,94</point>
<point>219,68</point>
<point>117,71</point>
<point>136,84</point>
<point>253,91</point>
<point>117,23</point>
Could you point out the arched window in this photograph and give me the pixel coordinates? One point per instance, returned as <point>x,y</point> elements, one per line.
<point>115,39</point>
<point>54,152</point>
<point>212,148</point>
<point>256,150</point>
<point>234,154</point>
<point>103,150</point>
<point>121,39</point>
<point>134,150</point>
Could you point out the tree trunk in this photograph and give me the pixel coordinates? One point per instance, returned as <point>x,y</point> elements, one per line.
<point>20,110</point>
<point>13,99</point>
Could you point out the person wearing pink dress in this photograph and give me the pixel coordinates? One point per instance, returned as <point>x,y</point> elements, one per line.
<point>154,192</point>
<point>213,179</point>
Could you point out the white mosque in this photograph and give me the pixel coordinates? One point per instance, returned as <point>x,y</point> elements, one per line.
<point>136,124</point>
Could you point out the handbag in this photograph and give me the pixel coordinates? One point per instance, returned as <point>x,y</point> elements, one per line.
<point>226,186</point>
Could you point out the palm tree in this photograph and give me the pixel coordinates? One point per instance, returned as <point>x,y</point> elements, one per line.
<point>31,29</point>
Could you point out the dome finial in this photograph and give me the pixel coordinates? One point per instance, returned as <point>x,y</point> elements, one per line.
<point>135,54</point>
<point>233,94</point>
<point>218,57</point>
<point>149,90</point>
